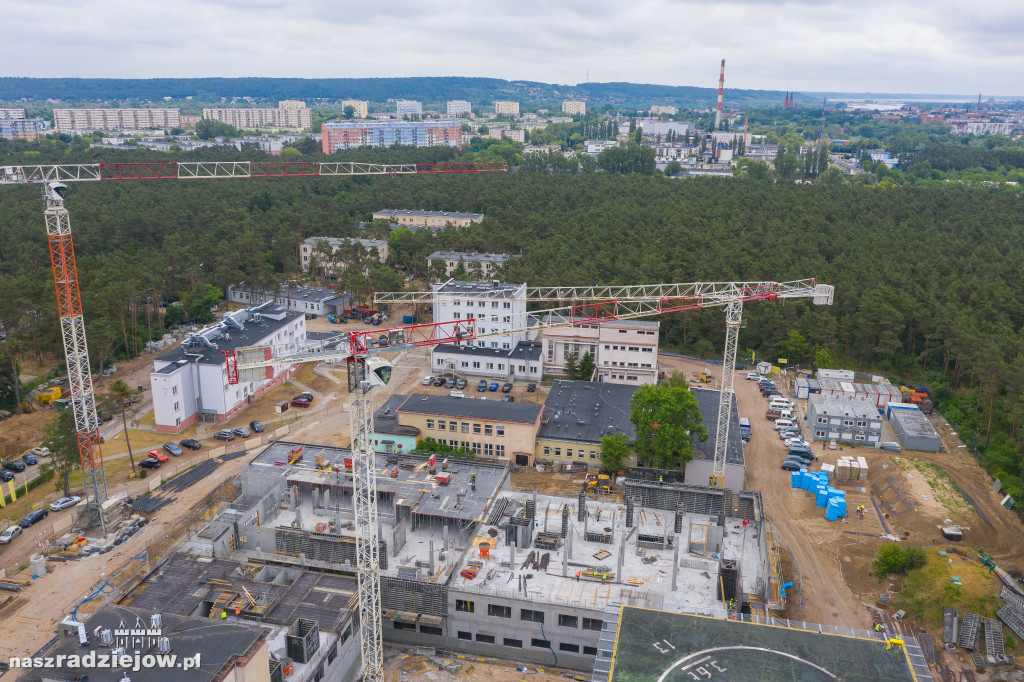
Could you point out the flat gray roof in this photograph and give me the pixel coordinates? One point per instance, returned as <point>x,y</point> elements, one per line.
<point>492,410</point>
<point>914,423</point>
<point>338,241</point>
<point>842,406</point>
<point>470,256</point>
<point>481,289</point>
<point>707,400</point>
<point>253,332</point>
<point>428,214</point>
<point>587,411</point>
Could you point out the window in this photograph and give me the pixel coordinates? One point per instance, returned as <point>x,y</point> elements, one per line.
<point>488,450</point>
<point>501,367</point>
<point>539,643</point>
<point>506,345</point>
<point>622,331</point>
<point>476,365</point>
<point>568,621</point>
<point>488,429</point>
<point>486,639</point>
<point>476,428</point>
<point>431,630</point>
<point>499,611</point>
<point>456,316</point>
<point>574,648</point>
<point>861,423</point>
<point>494,304</point>
<point>465,427</point>
<point>634,348</point>
<point>517,643</point>
<point>490,365</point>
<point>646,350</point>
<point>430,423</point>
<point>499,450</point>
<point>558,452</point>
<point>606,346</point>
<point>464,606</point>
<point>499,431</point>
<point>465,635</point>
<point>532,616</point>
<point>580,454</point>
<point>177,421</point>
<point>859,436</point>
<point>547,450</point>
<point>819,434</point>
<point>440,425</point>
<point>332,654</point>
<point>822,420</point>
<point>177,406</point>
<point>593,454</point>
<point>590,650</point>
<point>568,452</point>
<point>402,625</point>
<point>847,422</point>
<point>453,426</point>
<point>592,624</point>
<point>174,390</point>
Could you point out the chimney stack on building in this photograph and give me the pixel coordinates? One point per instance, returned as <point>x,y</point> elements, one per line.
<point>721,88</point>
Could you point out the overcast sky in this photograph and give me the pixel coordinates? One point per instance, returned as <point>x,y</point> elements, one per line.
<point>923,46</point>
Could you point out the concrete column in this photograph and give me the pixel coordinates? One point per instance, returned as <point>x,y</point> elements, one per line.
<point>512,556</point>
<point>444,534</point>
<point>622,557</point>
<point>326,501</point>
<point>675,566</point>
<point>298,518</point>
<point>431,557</point>
<point>664,540</point>
<point>568,545</point>
<point>316,497</point>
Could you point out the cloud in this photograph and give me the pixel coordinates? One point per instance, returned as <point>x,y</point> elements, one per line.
<point>803,45</point>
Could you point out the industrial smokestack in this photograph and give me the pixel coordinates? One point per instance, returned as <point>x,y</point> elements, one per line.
<point>721,88</point>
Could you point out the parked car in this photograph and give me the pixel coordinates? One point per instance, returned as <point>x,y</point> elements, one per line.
<point>506,388</point>
<point>8,535</point>
<point>300,402</point>
<point>456,394</point>
<point>34,516</point>
<point>157,455</point>
<point>450,384</point>
<point>494,386</point>
<point>307,395</point>
<point>427,380</point>
<point>29,459</point>
<point>482,386</point>
<point>229,435</point>
<point>460,384</point>
<point>190,443</point>
<point>784,424</point>
<point>104,415</point>
<point>790,465</point>
<point>530,388</point>
<point>753,376</point>
<point>150,463</point>
<point>6,475</point>
<point>242,432</point>
<point>40,451</point>
<point>14,465</point>
<point>509,399</point>
<point>174,449</point>
<point>64,503</point>
<point>439,381</point>
<point>256,427</point>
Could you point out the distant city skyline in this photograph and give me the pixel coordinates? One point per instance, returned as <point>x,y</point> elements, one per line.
<point>891,46</point>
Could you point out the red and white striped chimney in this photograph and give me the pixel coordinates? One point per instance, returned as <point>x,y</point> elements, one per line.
<point>721,88</point>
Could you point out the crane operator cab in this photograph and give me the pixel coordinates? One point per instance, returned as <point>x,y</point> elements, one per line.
<point>376,372</point>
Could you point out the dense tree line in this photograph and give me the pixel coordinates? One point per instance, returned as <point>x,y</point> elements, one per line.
<point>927,277</point>
<point>960,157</point>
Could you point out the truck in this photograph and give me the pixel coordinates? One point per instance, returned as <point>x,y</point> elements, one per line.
<point>773,413</point>
<point>745,428</point>
<point>49,396</point>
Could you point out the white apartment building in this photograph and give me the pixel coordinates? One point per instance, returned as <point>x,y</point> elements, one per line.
<point>574,108</point>
<point>77,121</point>
<point>624,351</point>
<point>459,107</point>
<point>497,308</point>
<point>337,246</point>
<point>483,263</point>
<point>408,106</point>
<point>663,110</point>
<point>506,107</point>
<point>12,113</point>
<point>361,106</point>
<point>289,115</point>
<point>190,383</point>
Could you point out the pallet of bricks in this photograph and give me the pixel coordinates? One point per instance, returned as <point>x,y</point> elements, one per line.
<point>850,468</point>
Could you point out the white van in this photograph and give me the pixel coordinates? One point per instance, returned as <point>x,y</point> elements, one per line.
<point>786,414</point>
<point>779,401</point>
<point>784,424</point>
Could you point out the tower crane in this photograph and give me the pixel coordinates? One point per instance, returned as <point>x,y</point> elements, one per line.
<point>596,304</point>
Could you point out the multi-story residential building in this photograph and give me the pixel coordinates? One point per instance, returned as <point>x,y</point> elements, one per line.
<point>361,106</point>
<point>482,263</point>
<point>27,129</point>
<point>577,415</point>
<point>11,113</point>
<point>408,106</point>
<point>289,115</point>
<point>459,107</point>
<point>624,351</point>
<point>849,419</point>
<point>338,136</point>
<point>961,127</point>
<point>506,107</point>
<point>654,128</point>
<point>574,108</point>
<point>663,110</point>
<point>77,121</point>
<point>514,134</point>
<point>190,120</point>
<point>334,252</point>
<point>308,300</point>
<point>431,219</point>
<point>492,429</point>
<point>190,383</point>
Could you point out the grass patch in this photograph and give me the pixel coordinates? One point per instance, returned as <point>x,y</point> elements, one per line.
<point>928,590</point>
<point>944,490</point>
<point>149,419</point>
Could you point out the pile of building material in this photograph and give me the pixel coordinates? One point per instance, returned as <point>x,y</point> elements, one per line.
<point>471,569</point>
<point>849,468</point>
<point>832,499</point>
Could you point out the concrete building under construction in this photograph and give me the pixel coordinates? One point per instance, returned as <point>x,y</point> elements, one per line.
<point>467,564</point>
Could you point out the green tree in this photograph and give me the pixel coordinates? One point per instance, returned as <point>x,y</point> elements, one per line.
<point>677,379</point>
<point>61,437</point>
<point>794,347</point>
<point>208,129</point>
<point>665,418</point>
<point>572,369</point>
<point>586,367</point>
<point>119,393</point>
<point>350,111</point>
<point>200,301</point>
<point>894,558</point>
<point>383,278</point>
<point>673,167</point>
<point>614,451</point>
<point>822,358</point>
<point>756,169</point>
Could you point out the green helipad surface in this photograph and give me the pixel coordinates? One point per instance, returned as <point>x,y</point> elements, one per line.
<point>654,646</point>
